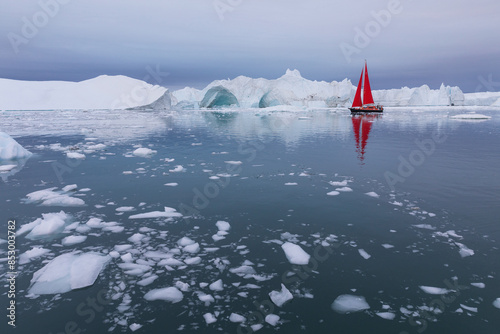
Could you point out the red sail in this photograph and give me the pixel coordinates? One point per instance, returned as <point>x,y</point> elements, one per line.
<point>367,91</point>
<point>357,98</point>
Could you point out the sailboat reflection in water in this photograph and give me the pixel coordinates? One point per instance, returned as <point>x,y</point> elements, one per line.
<point>362,125</point>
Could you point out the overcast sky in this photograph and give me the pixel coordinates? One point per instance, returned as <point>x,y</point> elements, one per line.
<point>196,41</point>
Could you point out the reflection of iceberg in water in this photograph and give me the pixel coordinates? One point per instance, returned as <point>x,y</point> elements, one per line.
<point>362,125</point>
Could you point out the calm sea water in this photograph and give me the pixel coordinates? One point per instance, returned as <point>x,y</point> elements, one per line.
<point>423,211</point>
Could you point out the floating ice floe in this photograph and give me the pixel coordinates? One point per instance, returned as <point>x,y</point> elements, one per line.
<point>31,254</point>
<point>291,184</point>
<point>209,318</point>
<point>233,162</point>
<point>272,319</point>
<point>133,327</point>
<point>372,194</point>
<point>75,155</point>
<point>51,197</point>
<point>464,250</point>
<point>333,193</point>
<point>144,152</point>
<point>280,297</point>
<point>386,315</point>
<point>496,303</point>
<point>223,226</point>
<point>343,189</point>
<point>433,290</point>
<point>470,116</point>
<point>216,286</point>
<point>349,303</point>
<point>364,254</point>
<point>169,294</point>
<point>10,149</point>
<point>237,318</point>
<point>338,183</point>
<point>169,213</point>
<point>479,285</point>
<point>173,184</point>
<point>177,169</point>
<point>48,226</point>
<point>125,209</point>
<point>73,240</point>
<point>295,254</point>
<point>68,272</point>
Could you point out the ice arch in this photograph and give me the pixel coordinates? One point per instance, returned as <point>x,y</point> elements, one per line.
<point>218,96</point>
<point>271,99</point>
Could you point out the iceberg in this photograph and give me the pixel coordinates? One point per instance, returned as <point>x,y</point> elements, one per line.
<point>10,149</point>
<point>68,272</point>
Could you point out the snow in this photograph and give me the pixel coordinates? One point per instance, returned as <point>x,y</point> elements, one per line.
<point>295,254</point>
<point>169,212</point>
<point>73,240</point>
<point>67,272</point>
<point>433,290</point>
<point>349,303</point>
<point>10,149</point>
<point>144,152</point>
<point>279,298</point>
<point>170,294</point>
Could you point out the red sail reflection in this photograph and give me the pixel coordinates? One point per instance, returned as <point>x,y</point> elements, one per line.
<point>362,125</point>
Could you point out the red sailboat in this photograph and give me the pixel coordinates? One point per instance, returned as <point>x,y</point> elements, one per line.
<point>365,103</point>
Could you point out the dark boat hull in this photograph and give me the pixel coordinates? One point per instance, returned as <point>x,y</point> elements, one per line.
<point>375,109</point>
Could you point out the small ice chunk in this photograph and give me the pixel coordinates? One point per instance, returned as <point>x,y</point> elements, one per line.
<point>193,260</point>
<point>144,152</point>
<point>168,212</point>
<point>193,248</point>
<point>133,327</point>
<point>69,187</point>
<point>50,224</point>
<point>496,303</point>
<point>234,317</point>
<point>185,241</point>
<point>372,194</point>
<point>67,272</point>
<point>177,169</point>
<point>364,254</point>
<point>256,327</point>
<point>223,226</point>
<point>343,189</point>
<point>207,299</point>
<point>291,184</point>
<point>125,209</point>
<point>73,240</point>
<point>243,270</point>
<point>469,308</point>
<point>209,318</point>
<point>217,286</point>
<point>333,193</point>
<point>148,280</point>
<point>272,319</point>
<point>182,286</point>
<point>169,294</point>
<point>32,254</point>
<point>433,290</point>
<point>387,246</point>
<point>172,184</point>
<point>136,237</point>
<point>233,162</point>
<point>280,297</point>
<point>464,250</point>
<point>75,155</point>
<point>386,315</point>
<point>425,226</point>
<point>349,303</point>
<point>338,183</point>
<point>479,285</point>
<point>295,254</point>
